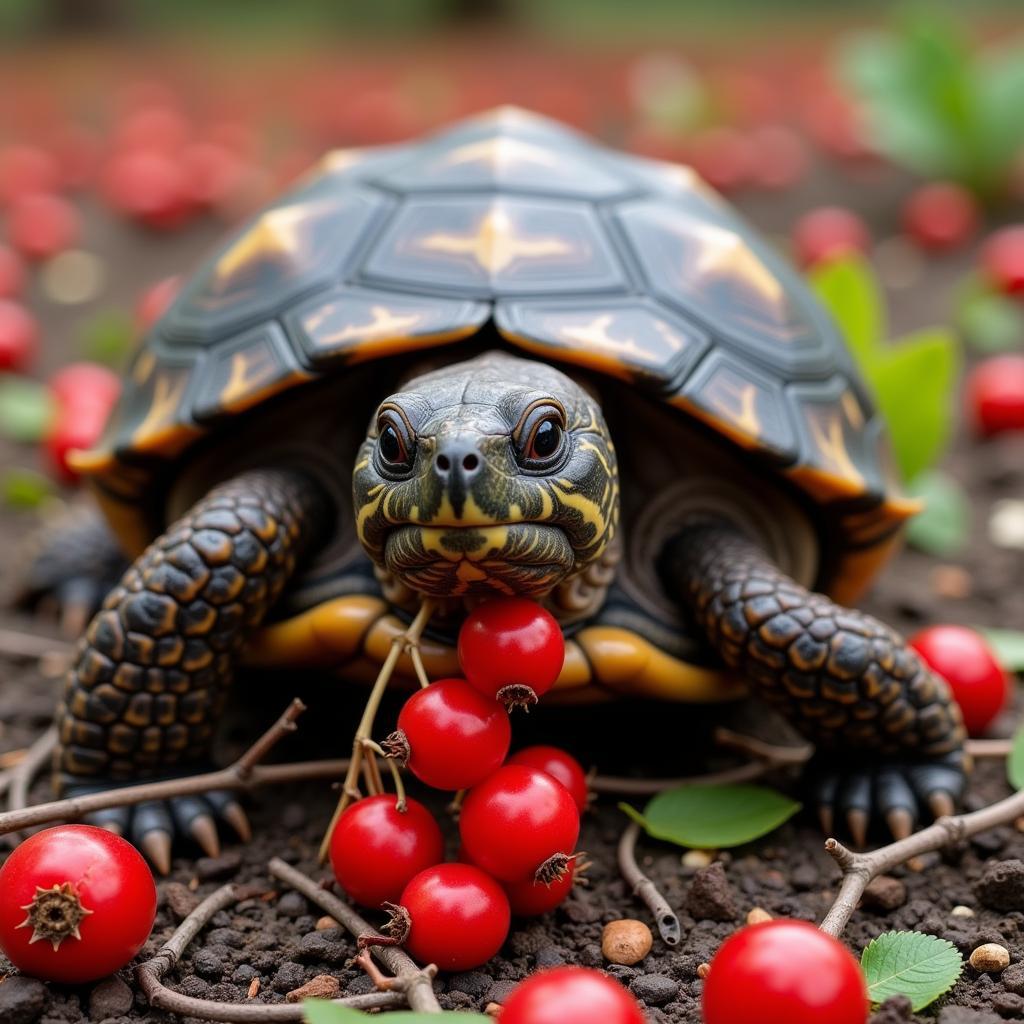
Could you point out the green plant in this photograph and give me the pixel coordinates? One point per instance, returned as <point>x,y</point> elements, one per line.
<point>920,967</point>
<point>935,103</point>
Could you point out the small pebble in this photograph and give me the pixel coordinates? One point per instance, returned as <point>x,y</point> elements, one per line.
<point>1013,979</point>
<point>626,942</point>
<point>1001,886</point>
<point>951,581</point>
<point>990,958</point>
<point>110,998</point>
<point>254,988</point>
<point>695,859</point>
<point>325,922</point>
<point>292,904</point>
<point>654,989</point>
<point>710,896</point>
<point>758,915</point>
<point>885,893</point>
<point>73,277</point>
<point>1006,524</point>
<point>961,911</point>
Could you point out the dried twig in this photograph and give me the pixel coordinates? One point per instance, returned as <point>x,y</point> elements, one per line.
<point>407,640</point>
<point>15,643</point>
<point>243,774</point>
<point>859,868</point>
<point>150,976</point>
<point>415,982</point>
<point>664,915</point>
<point>22,774</point>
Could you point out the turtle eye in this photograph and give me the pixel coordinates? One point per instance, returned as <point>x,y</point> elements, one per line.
<point>394,450</point>
<point>545,440</point>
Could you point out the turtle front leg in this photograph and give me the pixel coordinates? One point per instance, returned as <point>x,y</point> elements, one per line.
<point>153,668</point>
<point>887,726</point>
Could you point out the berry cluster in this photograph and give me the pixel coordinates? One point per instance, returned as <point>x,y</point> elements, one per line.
<point>520,816</point>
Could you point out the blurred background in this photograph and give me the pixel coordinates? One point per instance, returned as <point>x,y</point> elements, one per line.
<point>881,147</point>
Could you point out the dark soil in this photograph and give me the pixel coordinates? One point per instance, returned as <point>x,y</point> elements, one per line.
<point>274,937</point>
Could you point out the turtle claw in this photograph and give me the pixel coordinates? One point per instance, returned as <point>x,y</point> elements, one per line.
<point>156,845</point>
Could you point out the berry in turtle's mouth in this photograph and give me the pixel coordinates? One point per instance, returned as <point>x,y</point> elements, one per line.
<point>526,559</point>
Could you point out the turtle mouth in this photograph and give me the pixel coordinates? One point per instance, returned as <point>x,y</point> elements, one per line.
<point>526,559</point>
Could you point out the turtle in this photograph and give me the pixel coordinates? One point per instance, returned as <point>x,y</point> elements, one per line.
<point>502,360</point>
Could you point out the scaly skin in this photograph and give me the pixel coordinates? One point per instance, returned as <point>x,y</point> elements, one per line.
<point>152,672</point>
<point>844,679</point>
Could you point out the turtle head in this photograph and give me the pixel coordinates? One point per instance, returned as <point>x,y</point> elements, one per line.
<point>492,476</point>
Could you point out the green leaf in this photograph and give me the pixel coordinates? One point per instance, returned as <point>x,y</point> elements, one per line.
<point>940,528</point>
<point>991,323</point>
<point>26,409</point>
<point>851,294</point>
<point>920,967</point>
<point>713,817</point>
<point>108,338</point>
<point>1008,645</point>
<point>25,488</point>
<point>1015,762</point>
<point>319,1011</point>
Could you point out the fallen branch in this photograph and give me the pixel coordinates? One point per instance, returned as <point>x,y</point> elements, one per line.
<point>664,915</point>
<point>14,643</point>
<point>244,774</point>
<point>859,868</point>
<point>150,975</point>
<point>415,982</point>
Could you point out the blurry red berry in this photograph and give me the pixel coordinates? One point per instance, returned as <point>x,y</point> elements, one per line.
<point>512,649</point>
<point>156,128</point>
<point>781,156</point>
<point>376,849</point>
<point>155,301</point>
<point>962,657</point>
<point>12,273</point>
<point>41,226</point>
<point>454,735</point>
<point>573,995</point>
<point>995,394</point>
<point>77,151</point>
<point>940,215</point>
<point>723,157</point>
<point>80,384</point>
<point>1002,259</point>
<point>784,972</point>
<point>19,337</point>
<point>530,898</point>
<point>558,764</point>
<point>148,187</point>
<point>74,429</point>
<point>25,170</point>
<point>828,232</point>
<point>650,141</point>
<point>520,824</point>
<point>210,173</point>
<point>458,915</point>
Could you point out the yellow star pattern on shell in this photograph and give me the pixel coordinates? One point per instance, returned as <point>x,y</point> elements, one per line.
<point>597,333</point>
<point>275,236</point>
<point>500,152</point>
<point>723,254</point>
<point>495,246</point>
<point>384,324</point>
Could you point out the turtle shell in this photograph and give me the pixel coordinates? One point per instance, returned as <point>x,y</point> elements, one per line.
<point>576,253</point>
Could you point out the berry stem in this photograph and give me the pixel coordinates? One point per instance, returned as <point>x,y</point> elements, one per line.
<point>396,775</point>
<point>371,770</point>
<point>404,641</point>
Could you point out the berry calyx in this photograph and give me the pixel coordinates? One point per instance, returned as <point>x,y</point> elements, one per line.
<point>54,914</point>
<point>511,649</point>
<point>520,824</point>
<point>450,735</point>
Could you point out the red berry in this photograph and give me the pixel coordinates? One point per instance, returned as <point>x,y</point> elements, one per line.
<point>723,157</point>
<point>827,233</point>
<point>520,824</point>
<point>961,656</point>
<point>376,849</point>
<point>12,273</point>
<point>75,428</point>
<point>91,901</point>
<point>147,186</point>
<point>1002,259</point>
<point>24,170</point>
<point>158,128</point>
<point>572,995</point>
<point>783,972</point>
<point>451,735</point>
<point>557,763</point>
<point>941,215</point>
<point>530,899</point>
<point>155,301</point>
<point>512,649</point>
<point>19,336</point>
<point>41,225</point>
<point>995,394</point>
<point>81,384</point>
<point>76,150</point>
<point>458,916</point>
<point>781,156</point>
<point>211,172</point>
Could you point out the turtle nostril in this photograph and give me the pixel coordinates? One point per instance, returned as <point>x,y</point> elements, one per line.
<point>470,462</point>
<point>443,463</point>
